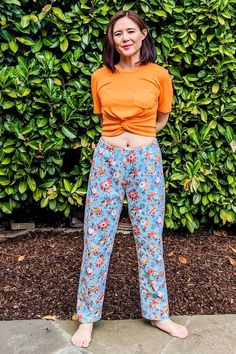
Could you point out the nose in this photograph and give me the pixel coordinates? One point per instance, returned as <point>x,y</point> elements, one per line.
<point>125,37</point>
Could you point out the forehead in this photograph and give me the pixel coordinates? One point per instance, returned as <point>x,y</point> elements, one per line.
<point>124,23</point>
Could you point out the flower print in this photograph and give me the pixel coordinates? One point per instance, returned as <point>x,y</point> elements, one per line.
<point>113,212</point>
<point>151,170</point>
<point>153,210</point>
<point>152,196</point>
<point>111,162</point>
<point>158,180</point>
<point>95,250</point>
<point>160,294</point>
<point>159,258</point>
<point>160,220</point>
<point>100,152</point>
<point>103,225</point>
<point>95,191</point>
<point>131,158</point>
<point>100,261</point>
<point>152,235</point>
<point>143,185</point>
<point>97,211</point>
<point>153,249</point>
<point>91,232</point>
<point>94,288</point>
<point>136,229</point>
<point>151,271</point>
<point>104,240</point>
<point>100,171</point>
<point>133,194</point>
<point>90,271</point>
<point>106,185</point>
<point>145,223</point>
<point>106,201</point>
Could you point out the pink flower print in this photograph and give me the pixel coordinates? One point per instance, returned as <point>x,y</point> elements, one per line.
<point>151,271</point>
<point>91,232</point>
<point>99,261</point>
<point>81,318</point>
<point>145,223</point>
<point>153,210</point>
<point>152,195</point>
<point>153,249</point>
<point>106,185</point>
<point>159,259</point>
<point>112,162</point>
<point>158,180</point>
<point>95,250</point>
<point>151,170</point>
<point>133,194</point>
<point>152,235</point>
<point>100,152</point>
<point>155,303</point>
<point>103,225</point>
<point>131,158</point>
<point>113,212</point>
<point>100,171</point>
<point>95,191</point>
<point>106,202</point>
<point>160,221</point>
<point>136,229</point>
<point>143,185</point>
<point>90,271</point>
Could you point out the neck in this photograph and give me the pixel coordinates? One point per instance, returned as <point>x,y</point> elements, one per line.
<point>128,63</point>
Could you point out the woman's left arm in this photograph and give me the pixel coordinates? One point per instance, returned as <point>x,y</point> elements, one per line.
<point>161,120</point>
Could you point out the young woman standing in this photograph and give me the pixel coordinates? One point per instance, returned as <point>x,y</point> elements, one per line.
<point>133,95</point>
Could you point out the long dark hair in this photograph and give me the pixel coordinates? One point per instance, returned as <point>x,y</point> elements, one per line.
<point>110,55</point>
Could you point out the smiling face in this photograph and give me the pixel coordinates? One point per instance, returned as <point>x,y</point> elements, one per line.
<point>128,37</point>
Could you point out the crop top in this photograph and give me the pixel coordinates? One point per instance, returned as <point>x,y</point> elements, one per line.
<point>129,99</point>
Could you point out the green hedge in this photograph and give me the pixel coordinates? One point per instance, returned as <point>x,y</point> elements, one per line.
<point>47,54</point>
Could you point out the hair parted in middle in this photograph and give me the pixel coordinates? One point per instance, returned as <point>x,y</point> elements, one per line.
<point>111,57</point>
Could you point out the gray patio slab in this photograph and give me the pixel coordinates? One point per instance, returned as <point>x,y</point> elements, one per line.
<point>212,334</point>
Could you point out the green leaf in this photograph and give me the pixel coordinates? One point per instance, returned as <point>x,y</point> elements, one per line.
<point>25,21</point>
<point>22,187</point>
<point>67,185</point>
<point>31,183</point>
<point>66,67</point>
<point>13,46</point>
<point>69,132</point>
<point>64,45</point>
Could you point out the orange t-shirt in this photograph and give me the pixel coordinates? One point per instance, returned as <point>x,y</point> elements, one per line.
<point>129,99</point>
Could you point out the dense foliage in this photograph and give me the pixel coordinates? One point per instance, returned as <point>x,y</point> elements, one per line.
<point>48,131</point>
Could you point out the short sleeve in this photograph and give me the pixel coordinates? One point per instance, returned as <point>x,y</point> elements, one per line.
<point>166,95</point>
<point>96,100</point>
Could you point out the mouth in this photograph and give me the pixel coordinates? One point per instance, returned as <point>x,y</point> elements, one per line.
<point>127,46</point>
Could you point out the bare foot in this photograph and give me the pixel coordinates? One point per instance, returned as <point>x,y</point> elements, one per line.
<point>174,329</point>
<point>82,337</point>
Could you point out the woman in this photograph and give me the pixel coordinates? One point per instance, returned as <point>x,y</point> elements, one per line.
<point>133,95</point>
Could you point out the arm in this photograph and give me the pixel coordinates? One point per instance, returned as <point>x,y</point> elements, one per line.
<point>161,121</point>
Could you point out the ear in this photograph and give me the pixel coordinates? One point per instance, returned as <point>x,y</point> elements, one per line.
<point>144,32</point>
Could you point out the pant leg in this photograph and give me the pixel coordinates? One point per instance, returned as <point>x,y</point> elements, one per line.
<point>146,205</point>
<point>104,202</point>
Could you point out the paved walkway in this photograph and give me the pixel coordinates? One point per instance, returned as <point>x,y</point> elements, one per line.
<point>207,335</point>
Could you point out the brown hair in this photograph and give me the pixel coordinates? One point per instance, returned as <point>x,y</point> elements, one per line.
<point>111,57</point>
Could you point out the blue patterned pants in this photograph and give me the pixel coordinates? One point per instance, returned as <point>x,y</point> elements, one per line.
<point>138,174</point>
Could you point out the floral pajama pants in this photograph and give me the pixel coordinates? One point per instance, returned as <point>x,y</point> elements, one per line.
<point>138,174</point>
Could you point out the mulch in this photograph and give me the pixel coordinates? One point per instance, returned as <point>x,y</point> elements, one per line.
<point>39,274</point>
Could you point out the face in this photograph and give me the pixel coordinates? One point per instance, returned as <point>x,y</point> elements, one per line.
<point>128,37</point>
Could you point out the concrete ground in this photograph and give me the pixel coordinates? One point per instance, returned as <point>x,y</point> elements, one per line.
<point>207,335</point>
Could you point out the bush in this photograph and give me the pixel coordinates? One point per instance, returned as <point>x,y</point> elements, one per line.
<point>47,54</point>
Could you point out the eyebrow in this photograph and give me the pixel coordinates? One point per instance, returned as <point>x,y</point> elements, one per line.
<point>121,30</point>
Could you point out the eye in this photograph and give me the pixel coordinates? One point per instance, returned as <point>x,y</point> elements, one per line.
<point>131,31</point>
<point>117,34</point>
